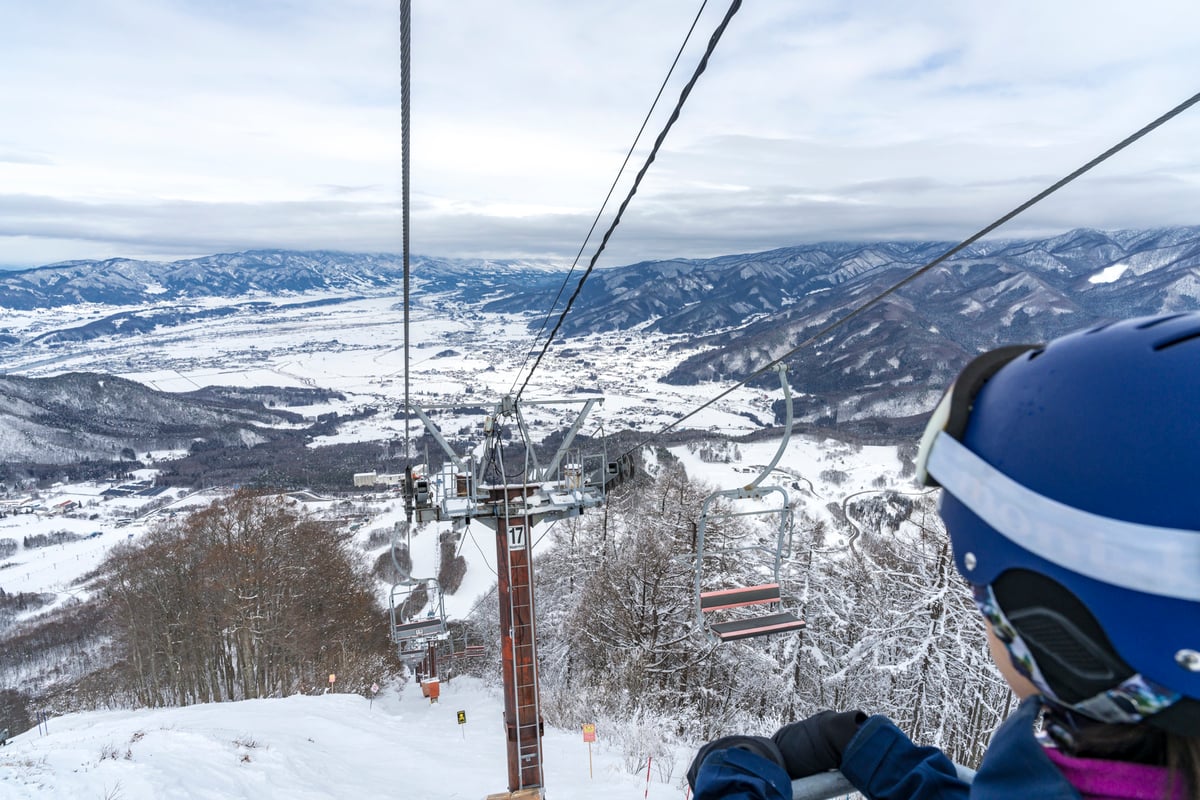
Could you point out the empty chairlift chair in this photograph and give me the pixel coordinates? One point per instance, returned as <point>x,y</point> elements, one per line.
<point>418,614</point>
<point>768,593</point>
<point>710,603</point>
<point>462,647</point>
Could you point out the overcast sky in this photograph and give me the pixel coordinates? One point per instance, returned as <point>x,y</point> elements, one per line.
<point>169,128</point>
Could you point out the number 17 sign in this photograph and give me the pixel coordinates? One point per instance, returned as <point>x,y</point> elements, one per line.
<point>516,537</point>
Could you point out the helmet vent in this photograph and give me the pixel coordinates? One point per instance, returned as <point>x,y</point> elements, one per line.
<point>1054,638</point>
<point>1159,321</point>
<point>1099,328</point>
<point>1177,340</point>
<point>1063,636</point>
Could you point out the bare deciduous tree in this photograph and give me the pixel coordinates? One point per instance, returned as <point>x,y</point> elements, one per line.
<point>247,598</point>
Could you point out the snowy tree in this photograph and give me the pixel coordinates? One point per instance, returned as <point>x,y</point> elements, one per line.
<point>891,626</point>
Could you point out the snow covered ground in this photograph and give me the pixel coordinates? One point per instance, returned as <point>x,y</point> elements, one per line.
<point>305,748</point>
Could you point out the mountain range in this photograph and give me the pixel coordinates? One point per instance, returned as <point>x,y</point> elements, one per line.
<point>728,316</point>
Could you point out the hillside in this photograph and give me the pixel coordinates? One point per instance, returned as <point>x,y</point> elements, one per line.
<point>322,746</point>
<point>324,368</point>
<point>87,416</point>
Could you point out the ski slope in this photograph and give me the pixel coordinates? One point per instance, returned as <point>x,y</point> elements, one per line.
<point>308,747</point>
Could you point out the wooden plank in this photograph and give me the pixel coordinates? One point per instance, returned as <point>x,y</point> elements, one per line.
<point>757,626</point>
<point>743,596</point>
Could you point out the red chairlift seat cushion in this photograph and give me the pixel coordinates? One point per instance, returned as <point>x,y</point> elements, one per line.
<point>743,596</point>
<point>757,626</point>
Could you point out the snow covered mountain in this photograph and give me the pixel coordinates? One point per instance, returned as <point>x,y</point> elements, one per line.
<point>1082,273</point>
<point>725,317</point>
<point>82,416</point>
<point>746,310</point>
<point>257,273</point>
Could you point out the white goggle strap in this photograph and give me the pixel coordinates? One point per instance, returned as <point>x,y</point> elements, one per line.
<point>937,424</point>
<point>1144,558</point>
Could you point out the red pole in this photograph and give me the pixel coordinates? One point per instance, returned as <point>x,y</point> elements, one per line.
<point>649,760</point>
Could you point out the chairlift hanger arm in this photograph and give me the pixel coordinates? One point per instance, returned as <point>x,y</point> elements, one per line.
<point>530,452</point>
<point>437,434</point>
<point>787,427</point>
<point>514,408</point>
<point>570,437</point>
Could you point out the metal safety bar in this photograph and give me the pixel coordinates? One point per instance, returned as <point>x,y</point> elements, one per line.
<point>828,785</point>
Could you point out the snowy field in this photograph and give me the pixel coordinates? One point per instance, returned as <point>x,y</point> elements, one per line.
<point>458,355</point>
<point>356,347</point>
<point>310,748</point>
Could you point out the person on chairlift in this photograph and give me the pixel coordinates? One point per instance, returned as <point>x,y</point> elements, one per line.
<point>1068,475</point>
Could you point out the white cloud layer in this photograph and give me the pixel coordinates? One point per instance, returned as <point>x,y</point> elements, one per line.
<point>176,127</point>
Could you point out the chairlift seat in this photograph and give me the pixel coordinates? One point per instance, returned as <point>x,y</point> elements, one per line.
<point>757,626</point>
<point>741,596</point>
<point>422,628</point>
<point>767,593</point>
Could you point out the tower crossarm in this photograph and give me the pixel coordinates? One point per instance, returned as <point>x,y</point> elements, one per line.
<point>437,435</point>
<point>588,404</point>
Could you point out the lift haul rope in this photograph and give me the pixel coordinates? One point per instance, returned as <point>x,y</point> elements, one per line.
<point>645,121</point>
<point>683,96</point>
<point>405,77</point>
<point>965,243</point>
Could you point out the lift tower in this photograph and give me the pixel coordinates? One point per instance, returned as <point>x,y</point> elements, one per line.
<point>525,495</point>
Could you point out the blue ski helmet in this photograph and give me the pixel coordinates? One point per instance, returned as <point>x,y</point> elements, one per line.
<point>1071,476</point>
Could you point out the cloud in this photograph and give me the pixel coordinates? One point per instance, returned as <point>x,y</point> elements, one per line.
<point>341,191</point>
<point>14,157</point>
<point>186,126</point>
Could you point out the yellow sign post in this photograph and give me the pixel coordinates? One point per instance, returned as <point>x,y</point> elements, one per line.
<point>589,736</point>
